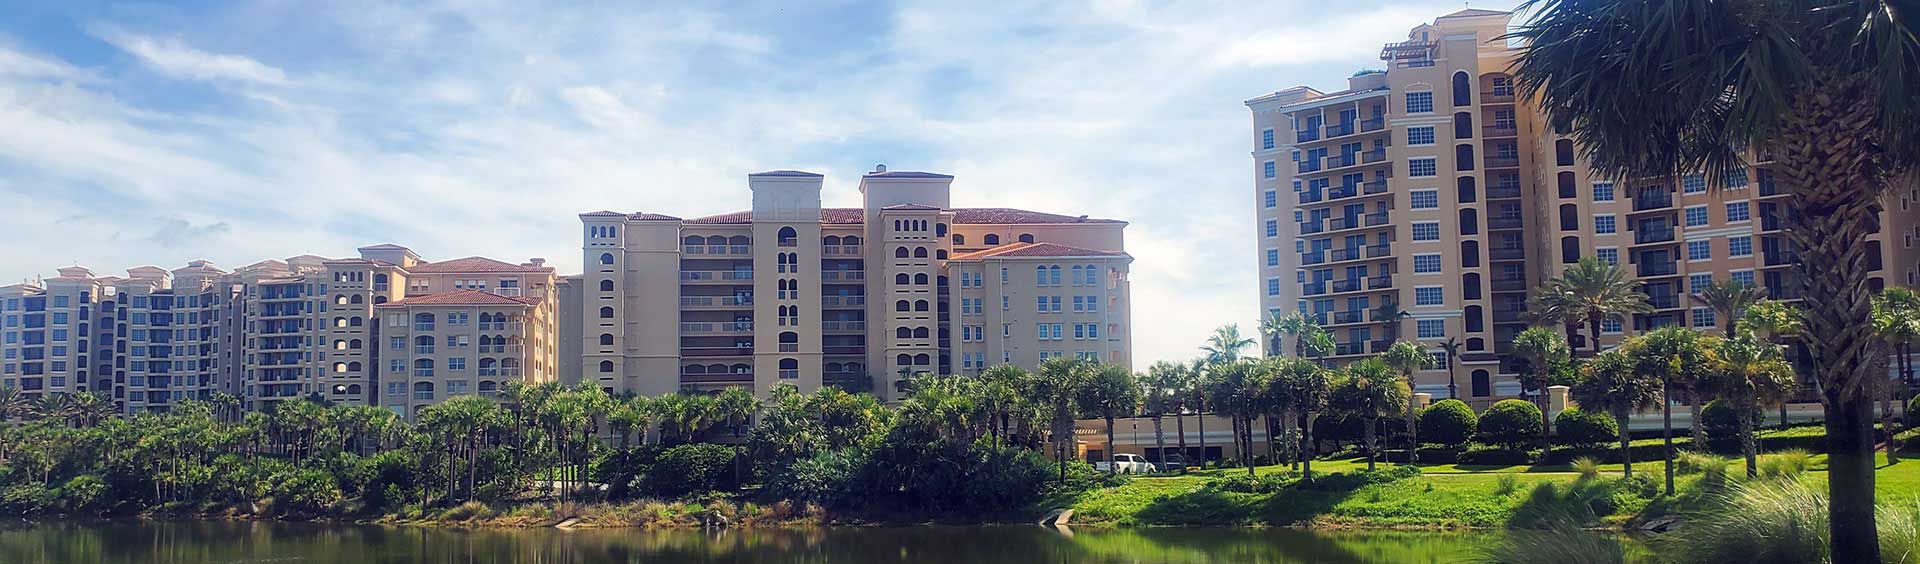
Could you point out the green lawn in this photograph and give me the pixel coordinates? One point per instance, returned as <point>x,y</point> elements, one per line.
<point>1444,495</point>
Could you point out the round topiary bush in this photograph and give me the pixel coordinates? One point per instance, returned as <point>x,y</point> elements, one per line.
<point>1577,427</point>
<point>1509,422</point>
<point>1449,422</point>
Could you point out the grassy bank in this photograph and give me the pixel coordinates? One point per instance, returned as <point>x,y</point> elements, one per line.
<point>1442,496</point>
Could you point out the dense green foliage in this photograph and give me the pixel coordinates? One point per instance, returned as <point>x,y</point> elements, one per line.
<point>1448,422</point>
<point>1575,426</point>
<point>1510,423</point>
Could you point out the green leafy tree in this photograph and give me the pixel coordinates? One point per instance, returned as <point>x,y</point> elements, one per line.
<point>1108,393</point>
<point>1369,389</point>
<point>1407,358</point>
<point>1539,350</point>
<point>736,406</point>
<point>1610,383</point>
<point>1749,373</point>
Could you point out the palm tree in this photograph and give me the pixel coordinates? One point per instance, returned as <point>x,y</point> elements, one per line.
<point>1318,343</point>
<point>1059,380</point>
<point>1001,391</point>
<point>1824,89</point>
<point>1772,321</point>
<point>1678,356</point>
<point>1406,358</point>
<point>1370,391</point>
<point>1541,350</point>
<point>1611,383</point>
<point>1896,318</point>
<point>1304,387</point>
<point>1156,395</point>
<point>1108,393</point>
<point>1589,293</point>
<point>1198,372</point>
<point>12,404</point>
<point>1749,373</point>
<point>1175,379</point>
<point>736,405</point>
<point>1390,312</point>
<point>1294,324</point>
<point>1235,388</point>
<point>1729,299</point>
<point>1225,344</point>
<point>1452,346</point>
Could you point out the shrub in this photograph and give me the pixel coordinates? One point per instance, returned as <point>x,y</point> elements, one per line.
<point>1785,464</point>
<point>467,512</point>
<point>1587,467</point>
<point>1242,483</point>
<point>1449,422</point>
<point>25,499</point>
<point>306,491</point>
<point>1509,483</point>
<point>1509,422</point>
<point>1695,462</point>
<point>1498,455</point>
<point>692,468</point>
<point>1720,420</point>
<point>84,494</point>
<point>828,478</point>
<point>1579,427</point>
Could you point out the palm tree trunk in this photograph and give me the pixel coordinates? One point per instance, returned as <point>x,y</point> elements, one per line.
<point>1626,443</point>
<point>1200,413</point>
<point>1112,469</point>
<point>1666,427</point>
<point>1306,444</point>
<point>1747,449</point>
<point>1700,431</point>
<point>1160,442</point>
<point>1413,431</point>
<point>1180,431</point>
<point>1369,423</point>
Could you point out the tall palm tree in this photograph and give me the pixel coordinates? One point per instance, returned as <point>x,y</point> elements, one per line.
<point>12,403</point>
<point>1317,342</point>
<point>1541,350</point>
<point>1198,372</point>
<point>1305,387</point>
<point>736,405</point>
<point>1225,344</point>
<point>1453,347</point>
<point>1772,321</point>
<point>1236,388</point>
<point>1294,324</point>
<point>1059,380</point>
<point>1729,299</point>
<point>1825,88</point>
<point>1678,357</point>
<point>1370,391</point>
<point>1590,293</point>
<point>1108,393</point>
<point>1749,373</point>
<point>1612,384</point>
<point>1390,313</point>
<point>1156,401</point>
<point>1896,318</point>
<point>1175,379</point>
<point>1406,358</point>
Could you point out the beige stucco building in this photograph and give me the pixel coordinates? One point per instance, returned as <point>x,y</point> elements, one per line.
<point>386,328</point>
<point>790,292</point>
<point>1431,188</point>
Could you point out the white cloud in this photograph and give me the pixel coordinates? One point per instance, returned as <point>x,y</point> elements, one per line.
<point>174,58</point>
<point>15,63</point>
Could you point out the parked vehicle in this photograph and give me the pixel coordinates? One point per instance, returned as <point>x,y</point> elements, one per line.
<point>1174,462</point>
<point>1127,464</point>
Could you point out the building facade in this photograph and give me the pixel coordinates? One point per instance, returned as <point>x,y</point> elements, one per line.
<point>385,328</point>
<point>1425,200</point>
<point>790,292</point>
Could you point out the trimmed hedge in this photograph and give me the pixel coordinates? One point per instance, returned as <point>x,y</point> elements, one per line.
<point>1494,455</point>
<point>1448,422</point>
<point>1578,427</point>
<point>1510,422</point>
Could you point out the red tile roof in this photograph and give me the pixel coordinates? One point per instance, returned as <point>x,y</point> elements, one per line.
<point>964,216</point>
<point>1037,250</point>
<point>461,297</point>
<point>475,264</point>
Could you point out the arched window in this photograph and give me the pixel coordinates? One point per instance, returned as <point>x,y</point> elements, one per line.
<point>1465,190</point>
<point>606,313</point>
<point>939,229</point>
<point>379,278</point>
<point>354,389</point>
<point>1569,250</point>
<point>830,240</point>
<point>789,364</point>
<point>1462,89</point>
<point>992,239</point>
<point>423,391</point>
<point>1482,384</point>
<point>1463,157</point>
<point>423,344</point>
<point>1469,254</point>
<point>1040,275</point>
<point>922,360</point>
<point>353,344</point>
<point>1470,286</point>
<point>940,254</point>
<point>423,367</point>
<point>919,305</point>
<point>606,366</point>
<point>1565,182</point>
<point>919,252</point>
<point>1476,319</point>
<point>1469,221</point>
<point>354,321</point>
<point>850,240</point>
<point>340,322</point>
<point>340,299</point>
<point>356,299</point>
<point>788,237</point>
<point>902,279</point>
<point>1476,344</point>
<point>903,360</point>
<point>353,367</point>
<point>694,241</point>
<point>1026,237</point>
<point>1563,152</point>
<point>959,239</point>
<point>789,337</point>
<point>902,333</point>
<point>902,305</point>
<point>1569,217</point>
<point>606,258</point>
<point>606,339</point>
<point>920,278</point>
<point>340,344</point>
<point>920,333</point>
<point>1462,125</point>
<point>339,367</point>
<point>606,285</point>
<point>900,252</point>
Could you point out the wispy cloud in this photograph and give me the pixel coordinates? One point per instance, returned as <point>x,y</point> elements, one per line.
<point>174,58</point>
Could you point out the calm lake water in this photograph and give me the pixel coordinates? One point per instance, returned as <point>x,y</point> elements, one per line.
<point>221,543</point>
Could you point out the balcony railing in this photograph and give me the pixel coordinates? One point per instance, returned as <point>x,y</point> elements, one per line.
<point>1367,220</point>
<point>1646,235</point>
<point>735,327</point>
<point>1343,191</point>
<point>1779,257</point>
<point>1652,200</point>
<point>839,325</point>
<point>717,377</point>
<point>1337,161</point>
<point>716,351</point>
<point>1500,192</point>
<point>1349,285</point>
<point>1343,317</point>
<point>1379,345</point>
<point>1507,253</point>
<point>1502,162</point>
<point>1509,285</point>
<point>715,301</point>
<point>1499,131</point>
<point>1313,258</point>
<point>1663,301</point>
<point>1375,187</point>
<point>715,275</point>
<point>1344,349</point>
<point>1509,315</point>
<point>1311,196</point>
<point>1505,222</point>
<point>833,301</point>
<point>1312,227</point>
<point>1496,98</point>
<point>1658,269</point>
<point>1313,289</point>
<point>843,275</point>
<point>1310,165</point>
<point>1339,129</point>
<point>1305,135</point>
<point>1374,124</point>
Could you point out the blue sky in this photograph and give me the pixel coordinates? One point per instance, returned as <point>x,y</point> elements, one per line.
<point>157,133</point>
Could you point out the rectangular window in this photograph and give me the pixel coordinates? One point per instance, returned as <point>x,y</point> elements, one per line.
<point>1741,246</point>
<point>1055,300</point>
<point>1610,326</point>
<point>1422,168</point>
<point>1738,211</point>
<point>1603,191</point>
<point>1609,254</point>
<point>1699,250</point>
<point>1703,317</point>
<point>1737,178</point>
<point>1696,216</point>
<point>1741,276</point>
<point>1698,282</point>
<point>1425,199</point>
<point>1426,264</point>
<point>1273,286</point>
<point>1426,231</point>
<point>1431,328</point>
<point>1693,183</point>
<point>1273,257</point>
<point>1268,169</point>
<point>1427,296</point>
<point>1419,102</point>
<point>1266,139</point>
<point>1040,304</point>
<point>1420,135</point>
<point>1269,199</point>
<point>1093,305</point>
<point>1273,228</point>
<point>1605,224</point>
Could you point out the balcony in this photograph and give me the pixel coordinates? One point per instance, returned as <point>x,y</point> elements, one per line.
<point>840,250</point>
<point>716,351</point>
<point>1663,301</point>
<point>1769,222</point>
<point>1508,130</point>
<point>1502,162</point>
<point>1346,317</point>
<point>1380,282</point>
<point>833,326</point>
<point>1379,346</point>
<point>1309,165</point>
<point>1505,222</point>
<point>830,275</point>
<point>1503,192</point>
<point>1649,235</point>
<point>1649,269</point>
<point>1313,227</point>
<point>1349,285</point>
<point>716,276</point>
<point>1305,135</point>
<point>1343,191</point>
<point>1374,124</point>
<point>1337,161</point>
<point>715,301</point>
<point>1509,315</point>
<point>1779,257</point>
<point>1313,258</point>
<point>1375,187</point>
<point>1346,349</point>
<point>1357,253</point>
<point>717,378</point>
<point>843,350</point>
<point>843,301</point>
<point>1507,253</point>
<point>1652,200</point>
<point>1310,196</point>
<point>1509,285</point>
<point>716,327</point>
<point>1313,289</point>
<point>1496,97</point>
<point>1339,129</point>
<point>1368,220</point>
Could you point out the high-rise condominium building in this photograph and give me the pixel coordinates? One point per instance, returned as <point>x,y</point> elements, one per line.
<point>1424,201</point>
<point>386,328</point>
<point>790,292</point>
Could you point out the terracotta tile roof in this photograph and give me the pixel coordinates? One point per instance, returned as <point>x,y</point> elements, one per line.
<point>964,216</point>
<point>910,207</point>
<point>644,216</point>
<point>475,264</point>
<point>603,213</point>
<point>461,297</point>
<point>1037,250</point>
